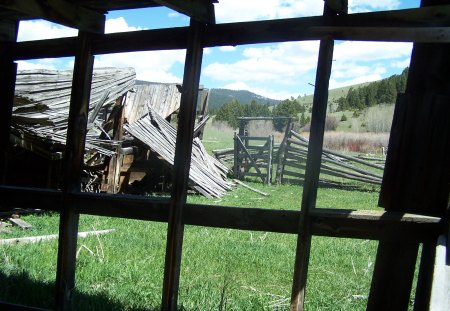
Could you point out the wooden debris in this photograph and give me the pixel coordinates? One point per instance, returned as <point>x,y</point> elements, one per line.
<point>207,175</point>
<point>20,223</point>
<point>334,164</point>
<point>251,188</point>
<point>36,239</point>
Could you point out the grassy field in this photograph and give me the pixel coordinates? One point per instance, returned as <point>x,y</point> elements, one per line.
<point>221,269</point>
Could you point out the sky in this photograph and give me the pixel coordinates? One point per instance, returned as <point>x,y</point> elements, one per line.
<point>277,71</point>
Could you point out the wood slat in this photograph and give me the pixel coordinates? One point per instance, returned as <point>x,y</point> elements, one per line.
<point>73,163</point>
<point>358,224</point>
<point>183,151</point>
<point>413,25</point>
<point>59,11</point>
<point>312,171</point>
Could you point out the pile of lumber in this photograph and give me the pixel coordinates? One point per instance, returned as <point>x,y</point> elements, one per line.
<point>206,175</point>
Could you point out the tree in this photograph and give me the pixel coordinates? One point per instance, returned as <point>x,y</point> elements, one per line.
<point>230,112</point>
<point>255,109</point>
<point>286,108</point>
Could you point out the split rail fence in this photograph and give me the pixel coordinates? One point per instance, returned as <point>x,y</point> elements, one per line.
<point>396,230</point>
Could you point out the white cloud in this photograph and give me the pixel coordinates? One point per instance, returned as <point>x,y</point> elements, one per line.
<point>174,15</point>
<point>40,29</point>
<point>227,48</point>
<point>401,63</point>
<point>370,51</point>
<point>26,65</point>
<point>282,63</point>
<point>356,6</point>
<point>250,10</point>
<point>119,24</point>
<point>150,66</point>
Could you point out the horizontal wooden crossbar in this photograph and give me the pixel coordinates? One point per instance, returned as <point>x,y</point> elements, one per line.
<point>430,24</point>
<point>375,225</point>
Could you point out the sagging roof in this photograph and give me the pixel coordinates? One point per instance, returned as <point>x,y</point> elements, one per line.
<point>42,100</point>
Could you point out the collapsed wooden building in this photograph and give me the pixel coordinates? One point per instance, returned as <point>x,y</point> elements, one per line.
<point>115,159</point>
<point>416,178</point>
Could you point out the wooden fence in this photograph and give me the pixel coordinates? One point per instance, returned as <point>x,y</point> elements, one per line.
<point>253,159</point>
<point>335,170</point>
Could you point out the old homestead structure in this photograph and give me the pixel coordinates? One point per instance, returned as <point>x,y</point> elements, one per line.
<point>415,186</point>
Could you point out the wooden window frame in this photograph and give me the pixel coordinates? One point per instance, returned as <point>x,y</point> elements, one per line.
<point>412,25</point>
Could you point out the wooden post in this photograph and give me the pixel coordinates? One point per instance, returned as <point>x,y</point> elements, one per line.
<point>236,163</point>
<point>281,152</point>
<point>269,162</point>
<point>8,71</point>
<point>312,169</point>
<point>183,150</point>
<point>73,162</point>
<point>417,174</point>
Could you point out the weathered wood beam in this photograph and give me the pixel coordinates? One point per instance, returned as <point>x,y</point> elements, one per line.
<point>73,163</point>
<point>111,5</point>
<point>312,171</point>
<point>182,160</point>
<point>418,183</point>
<point>8,71</point>
<point>200,10</point>
<point>412,25</point>
<point>358,224</point>
<point>59,11</point>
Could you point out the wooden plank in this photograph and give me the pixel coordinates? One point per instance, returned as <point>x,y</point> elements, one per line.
<point>8,71</point>
<point>374,225</point>
<point>200,10</point>
<point>440,292</point>
<point>312,171</point>
<point>417,183</point>
<point>183,151</point>
<point>37,239</point>
<point>251,188</point>
<point>59,11</point>
<point>20,223</point>
<point>413,25</point>
<point>73,163</point>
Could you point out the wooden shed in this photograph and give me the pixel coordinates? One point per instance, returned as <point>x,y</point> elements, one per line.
<point>415,187</point>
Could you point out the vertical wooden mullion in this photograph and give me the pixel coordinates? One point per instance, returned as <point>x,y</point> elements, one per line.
<point>73,162</point>
<point>183,150</point>
<point>312,172</point>
<point>8,71</point>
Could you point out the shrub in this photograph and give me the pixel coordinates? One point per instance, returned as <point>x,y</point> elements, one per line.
<point>343,118</point>
<point>331,123</point>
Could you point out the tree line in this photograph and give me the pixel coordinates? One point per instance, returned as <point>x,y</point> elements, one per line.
<point>375,93</point>
<point>231,111</point>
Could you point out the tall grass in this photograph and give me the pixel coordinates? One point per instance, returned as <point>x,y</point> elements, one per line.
<point>222,269</point>
<point>356,142</point>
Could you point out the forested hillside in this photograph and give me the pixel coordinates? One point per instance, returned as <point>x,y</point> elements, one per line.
<point>375,93</point>
<point>219,97</point>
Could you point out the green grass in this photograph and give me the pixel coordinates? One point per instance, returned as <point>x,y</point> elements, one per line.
<point>221,268</point>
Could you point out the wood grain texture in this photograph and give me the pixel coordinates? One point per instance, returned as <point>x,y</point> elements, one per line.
<point>59,11</point>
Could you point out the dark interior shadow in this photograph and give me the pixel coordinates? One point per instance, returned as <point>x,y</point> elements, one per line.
<point>20,289</point>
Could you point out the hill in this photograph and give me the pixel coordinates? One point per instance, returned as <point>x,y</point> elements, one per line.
<point>333,94</point>
<point>219,97</point>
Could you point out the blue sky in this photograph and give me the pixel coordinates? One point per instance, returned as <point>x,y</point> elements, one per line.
<point>273,70</point>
